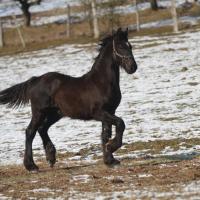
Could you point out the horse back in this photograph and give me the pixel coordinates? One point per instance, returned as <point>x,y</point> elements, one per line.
<point>75,97</point>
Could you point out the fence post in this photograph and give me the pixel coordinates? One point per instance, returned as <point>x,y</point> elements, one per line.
<point>137,15</point>
<point>95,20</point>
<point>1,34</point>
<point>19,33</point>
<point>174,16</point>
<point>68,21</point>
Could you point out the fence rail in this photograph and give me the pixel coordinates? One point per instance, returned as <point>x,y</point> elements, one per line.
<point>95,12</point>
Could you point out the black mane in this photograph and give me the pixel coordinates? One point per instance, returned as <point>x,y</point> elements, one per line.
<point>103,42</point>
<point>108,38</point>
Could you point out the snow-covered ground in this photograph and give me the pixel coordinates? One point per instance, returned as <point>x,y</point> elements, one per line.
<point>186,191</point>
<point>161,101</point>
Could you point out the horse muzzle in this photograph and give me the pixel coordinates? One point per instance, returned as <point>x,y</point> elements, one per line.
<point>131,68</point>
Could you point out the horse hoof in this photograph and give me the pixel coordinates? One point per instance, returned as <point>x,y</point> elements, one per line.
<point>32,168</point>
<point>51,164</point>
<point>112,162</point>
<point>50,154</point>
<point>51,161</point>
<point>115,162</point>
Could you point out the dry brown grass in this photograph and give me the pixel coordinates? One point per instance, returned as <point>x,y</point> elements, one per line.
<point>164,173</point>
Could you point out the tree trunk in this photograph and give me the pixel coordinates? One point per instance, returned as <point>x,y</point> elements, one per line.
<point>154,5</point>
<point>27,17</point>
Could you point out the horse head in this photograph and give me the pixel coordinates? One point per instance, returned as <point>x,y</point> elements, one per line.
<point>122,51</point>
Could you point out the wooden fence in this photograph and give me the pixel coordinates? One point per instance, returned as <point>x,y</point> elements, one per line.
<point>95,24</point>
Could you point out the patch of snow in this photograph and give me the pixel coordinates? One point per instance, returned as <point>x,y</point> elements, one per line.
<point>182,153</point>
<point>41,190</point>
<point>144,175</point>
<point>81,178</point>
<point>134,154</point>
<point>183,192</point>
<point>2,197</point>
<point>75,158</point>
<point>193,187</point>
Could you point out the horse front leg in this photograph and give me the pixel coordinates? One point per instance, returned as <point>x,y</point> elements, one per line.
<point>111,145</point>
<point>105,136</point>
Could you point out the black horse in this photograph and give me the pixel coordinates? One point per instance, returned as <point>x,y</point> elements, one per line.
<point>93,96</point>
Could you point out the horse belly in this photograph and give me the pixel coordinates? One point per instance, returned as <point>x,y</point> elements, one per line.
<point>74,106</point>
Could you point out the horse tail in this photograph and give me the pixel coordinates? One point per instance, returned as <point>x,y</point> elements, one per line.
<point>17,95</point>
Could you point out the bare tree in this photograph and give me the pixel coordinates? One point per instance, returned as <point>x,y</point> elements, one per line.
<point>154,4</point>
<point>25,7</point>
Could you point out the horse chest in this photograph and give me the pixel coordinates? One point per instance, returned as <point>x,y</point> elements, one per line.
<point>114,99</point>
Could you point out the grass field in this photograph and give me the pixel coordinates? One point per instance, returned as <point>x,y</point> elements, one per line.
<point>138,177</point>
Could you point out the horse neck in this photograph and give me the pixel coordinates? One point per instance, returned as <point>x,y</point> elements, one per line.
<point>105,67</point>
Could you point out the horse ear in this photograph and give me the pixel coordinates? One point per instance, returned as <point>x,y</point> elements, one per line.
<point>119,30</point>
<point>126,32</point>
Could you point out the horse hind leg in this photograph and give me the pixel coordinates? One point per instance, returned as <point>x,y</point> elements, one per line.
<point>31,130</point>
<point>50,150</point>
